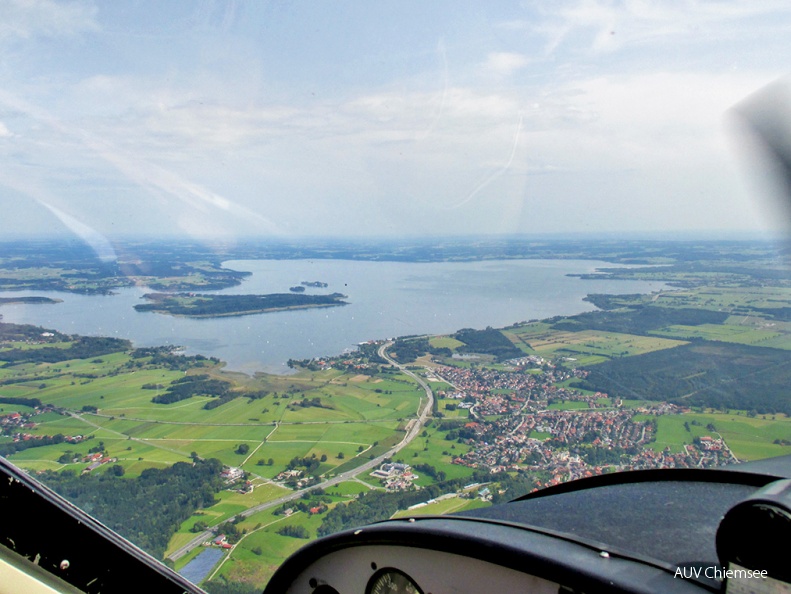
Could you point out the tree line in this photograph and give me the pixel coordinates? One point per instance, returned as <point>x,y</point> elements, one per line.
<point>31,402</point>
<point>641,319</point>
<point>165,357</point>
<point>24,332</point>
<point>12,447</point>
<point>82,347</point>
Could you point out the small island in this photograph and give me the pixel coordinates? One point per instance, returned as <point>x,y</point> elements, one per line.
<point>28,300</point>
<point>297,289</point>
<point>210,306</point>
<point>315,284</point>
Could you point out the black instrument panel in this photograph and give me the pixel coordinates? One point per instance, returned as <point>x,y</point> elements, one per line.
<point>640,531</point>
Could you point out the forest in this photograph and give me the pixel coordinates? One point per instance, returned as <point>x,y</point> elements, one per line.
<point>148,509</point>
<point>193,385</point>
<point>406,350</point>
<point>641,320</point>
<point>27,332</point>
<point>82,347</point>
<point>707,374</point>
<point>489,342</point>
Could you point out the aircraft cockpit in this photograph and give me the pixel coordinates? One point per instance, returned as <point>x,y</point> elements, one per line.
<point>663,530</point>
<point>667,530</point>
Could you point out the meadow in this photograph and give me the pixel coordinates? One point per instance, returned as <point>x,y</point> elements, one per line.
<point>749,438</point>
<point>586,347</point>
<point>749,330</point>
<point>341,419</point>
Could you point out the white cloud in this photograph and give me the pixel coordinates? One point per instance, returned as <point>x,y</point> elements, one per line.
<point>603,26</point>
<point>30,18</point>
<point>657,119</point>
<point>478,141</point>
<point>411,110</point>
<point>136,166</point>
<point>505,63</point>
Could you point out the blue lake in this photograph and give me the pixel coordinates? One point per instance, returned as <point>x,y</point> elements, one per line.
<point>386,299</point>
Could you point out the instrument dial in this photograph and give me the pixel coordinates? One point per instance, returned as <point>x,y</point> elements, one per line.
<point>392,581</point>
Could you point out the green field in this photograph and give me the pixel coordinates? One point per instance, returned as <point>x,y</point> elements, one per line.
<point>355,413</point>
<point>748,438</point>
<point>722,298</point>
<point>353,488</point>
<point>739,329</point>
<point>435,450</point>
<point>231,503</point>
<point>443,506</point>
<point>448,342</point>
<point>541,435</point>
<point>359,417</point>
<point>586,347</point>
<point>256,557</point>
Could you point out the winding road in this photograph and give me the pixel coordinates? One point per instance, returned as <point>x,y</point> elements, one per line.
<point>413,429</point>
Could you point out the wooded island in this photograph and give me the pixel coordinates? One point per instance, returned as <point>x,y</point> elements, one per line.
<point>208,306</point>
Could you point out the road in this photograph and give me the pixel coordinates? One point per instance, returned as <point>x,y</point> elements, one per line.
<point>413,429</point>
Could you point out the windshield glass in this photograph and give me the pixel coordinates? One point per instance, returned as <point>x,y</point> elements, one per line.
<point>273,270</point>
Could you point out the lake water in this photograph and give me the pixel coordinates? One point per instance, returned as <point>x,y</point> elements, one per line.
<point>386,299</point>
<point>197,569</point>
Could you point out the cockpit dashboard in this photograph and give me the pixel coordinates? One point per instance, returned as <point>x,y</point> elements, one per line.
<point>672,530</point>
<point>650,531</point>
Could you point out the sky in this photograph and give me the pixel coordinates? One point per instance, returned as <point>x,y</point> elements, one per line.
<point>384,119</point>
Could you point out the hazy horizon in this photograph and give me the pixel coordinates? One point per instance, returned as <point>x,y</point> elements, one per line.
<point>763,234</point>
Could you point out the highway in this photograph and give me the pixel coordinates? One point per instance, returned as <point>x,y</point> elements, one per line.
<point>413,429</point>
